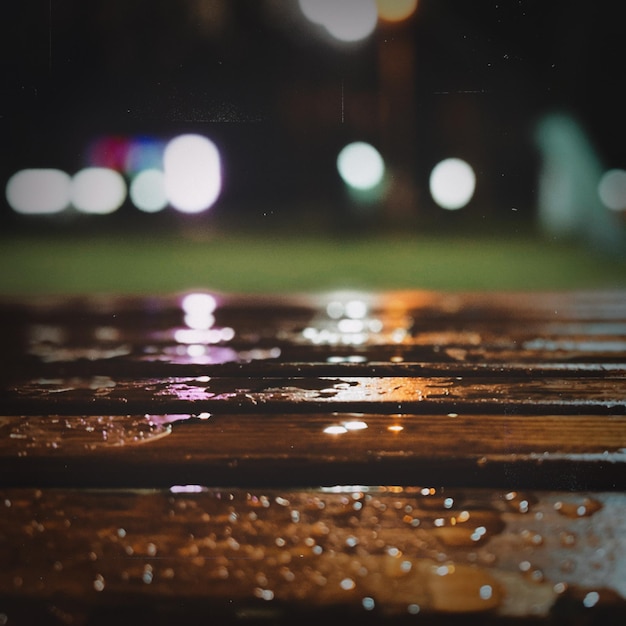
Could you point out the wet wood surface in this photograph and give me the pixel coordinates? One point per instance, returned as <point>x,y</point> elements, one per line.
<point>394,457</point>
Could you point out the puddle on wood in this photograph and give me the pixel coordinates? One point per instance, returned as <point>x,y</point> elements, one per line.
<point>80,433</point>
<point>386,550</point>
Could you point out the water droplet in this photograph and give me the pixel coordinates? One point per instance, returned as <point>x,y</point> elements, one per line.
<point>586,508</point>
<point>347,584</point>
<point>518,501</point>
<point>264,594</point>
<point>567,539</point>
<point>413,609</point>
<point>591,599</point>
<point>98,583</point>
<point>368,603</point>
<point>463,588</point>
<point>532,538</point>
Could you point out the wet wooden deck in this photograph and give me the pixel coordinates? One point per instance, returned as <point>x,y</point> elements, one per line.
<point>392,458</point>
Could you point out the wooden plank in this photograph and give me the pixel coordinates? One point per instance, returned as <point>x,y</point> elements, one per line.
<point>366,553</point>
<point>326,448</point>
<point>303,395</point>
<point>334,366</point>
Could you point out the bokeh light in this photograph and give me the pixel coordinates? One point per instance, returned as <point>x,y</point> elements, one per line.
<point>108,151</point>
<point>361,166</point>
<point>612,189</point>
<point>345,20</point>
<point>395,10</point>
<point>98,190</point>
<point>147,191</point>
<point>193,177</point>
<point>317,11</point>
<point>144,153</point>
<point>127,155</point>
<point>38,191</point>
<point>452,183</point>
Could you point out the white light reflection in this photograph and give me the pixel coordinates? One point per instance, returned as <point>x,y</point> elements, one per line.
<point>350,326</point>
<point>335,430</point>
<point>193,336</point>
<point>199,308</point>
<point>193,173</point>
<point>452,183</point>
<point>345,20</point>
<point>187,489</point>
<point>196,350</point>
<point>612,190</point>
<point>361,166</point>
<point>98,190</point>
<point>147,191</point>
<point>356,309</point>
<point>344,427</point>
<point>335,309</point>
<point>38,191</point>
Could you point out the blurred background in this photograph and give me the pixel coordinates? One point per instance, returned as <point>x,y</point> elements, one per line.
<point>247,145</point>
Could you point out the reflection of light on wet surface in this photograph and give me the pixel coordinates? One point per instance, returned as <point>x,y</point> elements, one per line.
<point>335,430</point>
<point>348,321</point>
<point>346,426</point>
<point>395,428</point>
<point>188,489</point>
<point>208,336</point>
<point>352,319</point>
<point>199,308</point>
<point>200,332</point>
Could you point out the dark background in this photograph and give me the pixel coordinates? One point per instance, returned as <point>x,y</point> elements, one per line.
<point>466,79</point>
